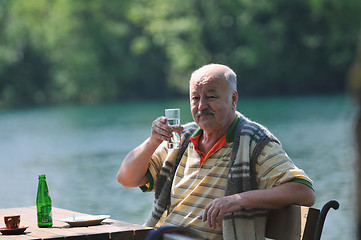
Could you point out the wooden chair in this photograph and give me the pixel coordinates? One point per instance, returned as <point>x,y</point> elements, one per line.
<point>290,223</point>
<point>298,222</point>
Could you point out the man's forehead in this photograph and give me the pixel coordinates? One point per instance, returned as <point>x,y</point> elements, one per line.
<point>208,84</point>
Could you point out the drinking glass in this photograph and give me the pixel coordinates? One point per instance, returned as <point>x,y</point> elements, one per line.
<point>173,120</point>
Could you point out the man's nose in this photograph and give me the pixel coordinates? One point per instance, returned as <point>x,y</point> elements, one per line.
<point>203,104</point>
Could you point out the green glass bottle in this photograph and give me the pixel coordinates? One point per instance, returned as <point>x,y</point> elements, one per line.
<point>43,204</point>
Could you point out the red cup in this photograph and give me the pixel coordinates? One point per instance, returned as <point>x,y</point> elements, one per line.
<point>12,222</point>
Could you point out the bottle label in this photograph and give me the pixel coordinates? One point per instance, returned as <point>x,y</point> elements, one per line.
<point>46,214</point>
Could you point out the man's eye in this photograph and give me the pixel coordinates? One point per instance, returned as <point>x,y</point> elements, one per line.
<point>195,98</point>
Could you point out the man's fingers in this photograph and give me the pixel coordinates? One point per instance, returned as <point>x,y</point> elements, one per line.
<point>205,213</point>
<point>161,133</point>
<point>220,218</point>
<point>215,212</point>
<point>161,130</point>
<point>212,216</point>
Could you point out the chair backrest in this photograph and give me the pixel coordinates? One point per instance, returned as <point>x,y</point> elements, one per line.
<point>297,222</point>
<point>292,223</point>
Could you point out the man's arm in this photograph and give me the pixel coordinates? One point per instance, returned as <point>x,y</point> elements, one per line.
<point>277,197</point>
<point>132,172</point>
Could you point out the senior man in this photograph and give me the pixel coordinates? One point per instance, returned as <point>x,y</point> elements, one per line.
<point>228,171</point>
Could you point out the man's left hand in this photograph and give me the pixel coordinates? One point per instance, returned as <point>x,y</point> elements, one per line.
<point>215,211</point>
<point>276,197</point>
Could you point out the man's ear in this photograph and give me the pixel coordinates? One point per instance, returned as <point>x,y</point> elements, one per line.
<point>234,99</point>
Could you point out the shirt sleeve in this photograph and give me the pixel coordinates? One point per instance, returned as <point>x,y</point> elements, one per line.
<point>274,167</point>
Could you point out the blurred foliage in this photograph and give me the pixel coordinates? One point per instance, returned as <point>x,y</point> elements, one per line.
<point>355,87</point>
<point>92,50</point>
<point>354,75</point>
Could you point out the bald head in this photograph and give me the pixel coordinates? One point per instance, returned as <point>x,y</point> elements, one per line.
<point>217,71</point>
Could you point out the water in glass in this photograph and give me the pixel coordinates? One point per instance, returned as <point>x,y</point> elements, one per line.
<point>173,119</point>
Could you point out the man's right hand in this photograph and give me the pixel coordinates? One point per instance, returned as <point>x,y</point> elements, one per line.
<point>161,131</point>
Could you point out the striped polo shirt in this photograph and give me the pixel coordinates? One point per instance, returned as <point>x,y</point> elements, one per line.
<point>195,185</point>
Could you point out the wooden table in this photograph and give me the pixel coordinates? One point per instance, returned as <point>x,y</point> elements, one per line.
<point>109,229</point>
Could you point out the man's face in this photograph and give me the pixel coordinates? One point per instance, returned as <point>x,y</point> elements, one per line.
<point>212,106</point>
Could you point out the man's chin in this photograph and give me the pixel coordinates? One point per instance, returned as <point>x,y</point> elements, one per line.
<point>205,122</point>
<point>204,118</point>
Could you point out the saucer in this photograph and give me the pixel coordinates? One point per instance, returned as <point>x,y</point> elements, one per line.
<point>85,221</point>
<point>16,231</point>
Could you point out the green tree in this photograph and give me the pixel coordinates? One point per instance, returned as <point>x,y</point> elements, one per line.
<point>282,47</point>
<point>91,48</point>
<point>89,51</point>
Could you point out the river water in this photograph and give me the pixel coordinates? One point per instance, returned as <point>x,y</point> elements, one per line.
<point>80,149</point>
